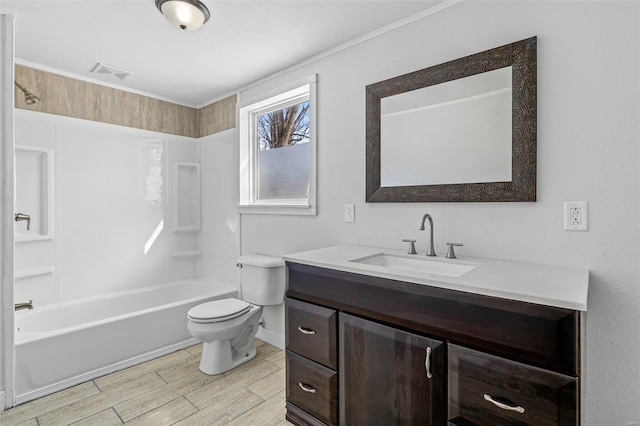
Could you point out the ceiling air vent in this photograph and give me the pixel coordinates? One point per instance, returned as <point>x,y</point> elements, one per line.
<point>101,68</point>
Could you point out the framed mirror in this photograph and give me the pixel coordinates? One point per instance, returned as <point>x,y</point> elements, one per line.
<point>461,131</point>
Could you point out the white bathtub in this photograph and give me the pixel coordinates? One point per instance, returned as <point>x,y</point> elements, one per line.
<point>60,345</point>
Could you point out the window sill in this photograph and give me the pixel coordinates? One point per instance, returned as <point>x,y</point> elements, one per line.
<point>286,209</point>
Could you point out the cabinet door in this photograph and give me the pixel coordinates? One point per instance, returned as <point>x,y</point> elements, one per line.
<point>388,376</point>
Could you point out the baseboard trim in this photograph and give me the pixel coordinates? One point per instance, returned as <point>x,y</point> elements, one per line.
<point>270,337</point>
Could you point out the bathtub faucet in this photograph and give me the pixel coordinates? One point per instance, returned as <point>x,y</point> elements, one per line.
<point>26,305</point>
<point>22,216</point>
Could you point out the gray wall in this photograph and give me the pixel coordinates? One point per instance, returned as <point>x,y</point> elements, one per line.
<point>588,133</point>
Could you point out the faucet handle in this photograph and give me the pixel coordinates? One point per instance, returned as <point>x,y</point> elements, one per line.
<point>450,253</point>
<point>22,216</point>
<point>412,248</point>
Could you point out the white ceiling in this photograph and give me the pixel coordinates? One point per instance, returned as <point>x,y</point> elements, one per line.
<point>243,41</point>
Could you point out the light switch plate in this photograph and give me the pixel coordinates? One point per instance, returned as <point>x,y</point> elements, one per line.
<point>349,213</point>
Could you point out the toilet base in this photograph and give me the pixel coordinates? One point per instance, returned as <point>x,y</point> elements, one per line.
<point>217,357</point>
<point>227,344</point>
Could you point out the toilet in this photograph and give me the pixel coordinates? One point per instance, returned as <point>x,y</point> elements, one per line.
<point>227,327</point>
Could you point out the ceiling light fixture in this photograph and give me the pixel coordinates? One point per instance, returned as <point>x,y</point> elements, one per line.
<point>184,14</point>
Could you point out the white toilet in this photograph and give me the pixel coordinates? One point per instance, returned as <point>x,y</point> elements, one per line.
<point>227,327</point>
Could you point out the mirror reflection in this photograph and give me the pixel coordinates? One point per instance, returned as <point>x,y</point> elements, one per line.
<point>454,132</point>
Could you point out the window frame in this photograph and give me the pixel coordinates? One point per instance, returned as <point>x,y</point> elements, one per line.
<point>248,111</point>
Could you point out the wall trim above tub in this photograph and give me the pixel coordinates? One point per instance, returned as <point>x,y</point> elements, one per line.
<point>72,97</point>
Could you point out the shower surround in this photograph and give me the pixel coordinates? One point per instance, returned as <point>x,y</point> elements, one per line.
<point>104,206</point>
<point>113,210</point>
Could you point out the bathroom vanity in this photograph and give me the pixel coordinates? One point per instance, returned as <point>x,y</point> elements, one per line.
<point>376,337</point>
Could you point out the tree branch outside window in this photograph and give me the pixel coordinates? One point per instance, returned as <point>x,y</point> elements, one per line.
<point>284,127</point>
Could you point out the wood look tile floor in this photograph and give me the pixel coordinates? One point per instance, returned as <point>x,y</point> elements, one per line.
<point>169,390</point>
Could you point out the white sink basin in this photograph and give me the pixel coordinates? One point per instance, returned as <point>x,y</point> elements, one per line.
<point>418,263</point>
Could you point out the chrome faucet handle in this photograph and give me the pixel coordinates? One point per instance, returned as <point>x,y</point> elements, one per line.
<point>25,305</point>
<point>22,216</point>
<point>412,248</point>
<point>450,253</point>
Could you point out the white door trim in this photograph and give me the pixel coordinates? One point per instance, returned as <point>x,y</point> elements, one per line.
<point>6,211</point>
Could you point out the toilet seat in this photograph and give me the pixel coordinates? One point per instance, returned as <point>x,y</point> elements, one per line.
<point>218,310</point>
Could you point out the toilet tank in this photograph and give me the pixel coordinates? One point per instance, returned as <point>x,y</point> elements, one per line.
<point>262,279</point>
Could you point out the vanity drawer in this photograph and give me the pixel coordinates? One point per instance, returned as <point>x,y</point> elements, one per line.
<point>521,394</point>
<point>312,388</point>
<point>311,332</point>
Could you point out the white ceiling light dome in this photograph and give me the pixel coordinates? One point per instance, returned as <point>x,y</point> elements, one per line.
<point>186,15</point>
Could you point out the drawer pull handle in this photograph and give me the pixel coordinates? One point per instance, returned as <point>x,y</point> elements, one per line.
<point>306,331</point>
<point>502,405</point>
<point>306,388</point>
<point>427,363</point>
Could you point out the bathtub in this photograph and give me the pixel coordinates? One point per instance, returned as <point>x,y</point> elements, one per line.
<point>61,345</point>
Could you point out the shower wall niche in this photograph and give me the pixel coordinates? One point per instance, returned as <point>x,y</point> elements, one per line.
<point>186,184</point>
<point>113,195</point>
<point>34,192</point>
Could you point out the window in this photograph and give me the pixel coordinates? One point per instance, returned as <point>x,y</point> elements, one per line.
<point>277,151</point>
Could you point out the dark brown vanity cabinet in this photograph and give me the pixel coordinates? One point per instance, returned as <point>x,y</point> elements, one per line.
<point>366,346</point>
<point>388,376</point>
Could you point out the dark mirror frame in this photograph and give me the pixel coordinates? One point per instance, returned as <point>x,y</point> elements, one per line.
<point>521,56</point>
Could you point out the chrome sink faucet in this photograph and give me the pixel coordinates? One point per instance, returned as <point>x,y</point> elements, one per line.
<point>430,250</point>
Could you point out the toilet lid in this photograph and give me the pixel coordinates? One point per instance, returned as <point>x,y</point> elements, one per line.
<point>219,310</point>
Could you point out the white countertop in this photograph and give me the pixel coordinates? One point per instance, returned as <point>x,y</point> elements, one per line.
<point>526,282</point>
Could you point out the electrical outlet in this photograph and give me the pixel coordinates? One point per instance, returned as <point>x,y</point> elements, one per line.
<point>349,213</point>
<point>576,216</point>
